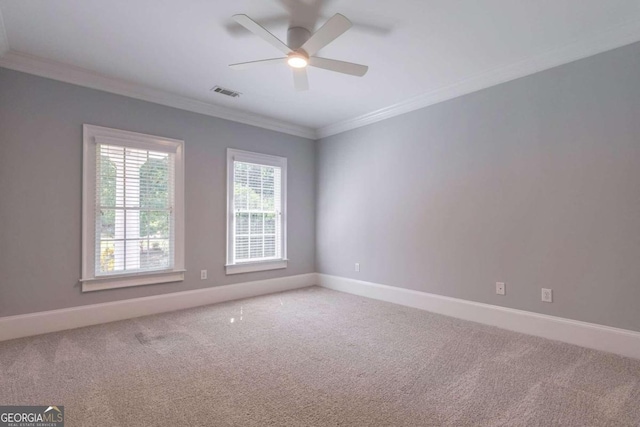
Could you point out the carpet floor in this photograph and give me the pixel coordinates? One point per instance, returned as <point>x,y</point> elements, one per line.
<point>315,357</point>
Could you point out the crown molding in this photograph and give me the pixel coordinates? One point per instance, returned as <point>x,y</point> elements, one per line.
<point>42,67</point>
<point>619,36</point>
<point>4,40</point>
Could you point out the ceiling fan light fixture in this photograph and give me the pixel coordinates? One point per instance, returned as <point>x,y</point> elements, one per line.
<point>297,61</point>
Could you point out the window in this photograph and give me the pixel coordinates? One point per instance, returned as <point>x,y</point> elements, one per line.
<point>256,214</point>
<point>133,215</point>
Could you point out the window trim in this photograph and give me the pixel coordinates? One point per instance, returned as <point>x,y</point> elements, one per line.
<point>90,135</point>
<point>232,267</point>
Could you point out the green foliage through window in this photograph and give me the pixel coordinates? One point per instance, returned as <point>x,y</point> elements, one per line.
<point>154,193</point>
<point>107,195</point>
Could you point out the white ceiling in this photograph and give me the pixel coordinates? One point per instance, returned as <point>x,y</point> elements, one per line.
<point>412,47</point>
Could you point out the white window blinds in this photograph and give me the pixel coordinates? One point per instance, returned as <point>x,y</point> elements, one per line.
<point>257,206</point>
<point>134,218</point>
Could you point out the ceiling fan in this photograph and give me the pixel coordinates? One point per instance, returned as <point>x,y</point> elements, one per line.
<point>300,49</point>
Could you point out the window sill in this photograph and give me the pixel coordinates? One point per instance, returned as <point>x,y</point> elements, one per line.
<point>125,281</point>
<point>248,267</point>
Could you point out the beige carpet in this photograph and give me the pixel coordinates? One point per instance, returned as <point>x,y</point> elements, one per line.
<point>315,357</point>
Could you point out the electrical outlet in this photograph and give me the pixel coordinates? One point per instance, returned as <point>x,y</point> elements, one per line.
<point>547,295</point>
<point>501,288</point>
<point>357,267</point>
<point>203,274</point>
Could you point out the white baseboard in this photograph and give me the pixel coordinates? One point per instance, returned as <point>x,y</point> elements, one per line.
<point>25,325</point>
<point>590,335</point>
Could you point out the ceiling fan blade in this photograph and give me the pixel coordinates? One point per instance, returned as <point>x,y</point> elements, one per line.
<point>254,64</point>
<point>330,31</point>
<point>261,32</point>
<point>300,80</point>
<point>339,66</point>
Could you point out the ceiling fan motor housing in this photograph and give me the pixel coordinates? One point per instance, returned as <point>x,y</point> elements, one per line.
<point>297,36</point>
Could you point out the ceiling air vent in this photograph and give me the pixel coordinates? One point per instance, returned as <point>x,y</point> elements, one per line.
<point>227,92</point>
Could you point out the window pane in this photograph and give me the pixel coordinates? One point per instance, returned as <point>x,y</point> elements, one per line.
<point>270,246</point>
<point>107,172</point>
<point>154,182</point>
<point>133,161</point>
<point>240,186</point>
<point>270,223</point>
<point>268,186</point>
<point>132,254</point>
<point>106,262</point>
<point>256,247</point>
<point>242,247</point>
<point>242,223</point>
<point>155,254</point>
<point>110,167</point>
<point>155,224</point>
<point>256,223</point>
<point>107,224</point>
<point>255,187</point>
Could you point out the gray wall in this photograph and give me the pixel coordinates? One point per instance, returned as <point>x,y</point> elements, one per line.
<point>41,186</point>
<point>535,182</point>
